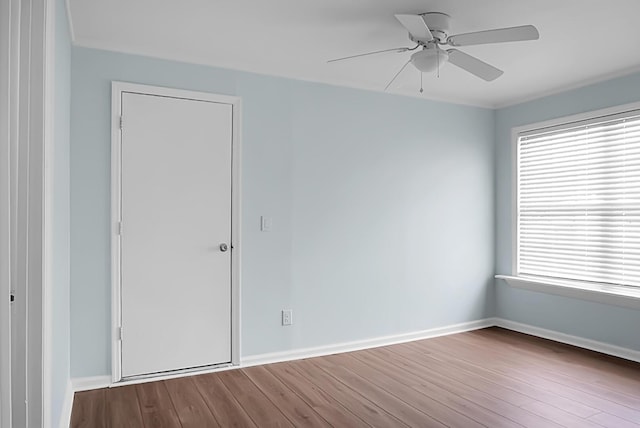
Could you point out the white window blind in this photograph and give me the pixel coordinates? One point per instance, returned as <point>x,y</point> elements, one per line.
<point>578,201</point>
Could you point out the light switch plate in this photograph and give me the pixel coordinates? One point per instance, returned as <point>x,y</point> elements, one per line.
<point>266,223</point>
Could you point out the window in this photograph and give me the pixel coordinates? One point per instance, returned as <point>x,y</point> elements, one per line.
<point>578,201</point>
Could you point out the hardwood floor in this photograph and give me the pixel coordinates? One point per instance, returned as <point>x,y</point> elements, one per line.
<point>491,378</point>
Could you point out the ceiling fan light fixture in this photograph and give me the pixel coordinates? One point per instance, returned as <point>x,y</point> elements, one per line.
<point>428,60</point>
<point>431,30</point>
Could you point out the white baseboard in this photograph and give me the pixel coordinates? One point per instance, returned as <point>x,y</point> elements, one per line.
<point>67,406</point>
<point>593,345</point>
<point>87,383</point>
<point>297,354</point>
<point>173,375</point>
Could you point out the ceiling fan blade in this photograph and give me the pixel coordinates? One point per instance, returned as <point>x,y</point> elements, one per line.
<point>399,50</point>
<point>416,26</point>
<point>397,74</point>
<point>473,65</point>
<point>512,34</point>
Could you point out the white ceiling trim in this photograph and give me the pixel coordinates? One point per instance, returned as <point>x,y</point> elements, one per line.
<point>580,42</point>
<point>181,58</point>
<point>562,89</point>
<point>426,97</point>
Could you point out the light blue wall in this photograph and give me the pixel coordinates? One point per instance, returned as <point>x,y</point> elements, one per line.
<point>61,214</point>
<point>604,323</point>
<point>382,207</point>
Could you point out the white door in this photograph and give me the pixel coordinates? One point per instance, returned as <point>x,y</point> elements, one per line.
<point>176,221</point>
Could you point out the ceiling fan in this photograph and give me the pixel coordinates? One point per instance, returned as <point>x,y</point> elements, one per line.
<point>430,31</point>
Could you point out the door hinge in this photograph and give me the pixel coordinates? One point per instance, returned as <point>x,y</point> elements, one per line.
<point>119,228</point>
<point>121,122</point>
<point>13,297</point>
<point>120,333</point>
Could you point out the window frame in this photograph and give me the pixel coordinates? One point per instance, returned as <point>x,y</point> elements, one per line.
<point>620,295</point>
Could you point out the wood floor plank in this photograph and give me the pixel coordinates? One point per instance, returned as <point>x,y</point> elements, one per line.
<point>123,409</point>
<point>517,374</point>
<point>620,370</point>
<point>448,403</point>
<point>491,377</point>
<point>326,406</point>
<point>293,407</point>
<point>362,407</point>
<point>226,409</point>
<point>189,404</point>
<point>432,400</point>
<point>252,400</point>
<point>572,395</point>
<point>558,394</point>
<point>417,372</point>
<point>611,421</point>
<point>156,405</point>
<point>560,360</point>
<point>558,415</point>
<point>89,409</point>
<point>381,389</point>
<point>451,375</point>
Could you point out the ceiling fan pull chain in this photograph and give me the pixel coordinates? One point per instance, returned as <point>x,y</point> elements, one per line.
<point>421,89</point>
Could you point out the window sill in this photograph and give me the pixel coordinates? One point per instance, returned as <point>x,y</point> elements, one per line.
<point>627,297</point>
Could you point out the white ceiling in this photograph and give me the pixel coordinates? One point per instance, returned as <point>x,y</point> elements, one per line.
<point>581,41</point>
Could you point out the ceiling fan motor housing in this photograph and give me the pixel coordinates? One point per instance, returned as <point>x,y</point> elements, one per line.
<point>438,23</point>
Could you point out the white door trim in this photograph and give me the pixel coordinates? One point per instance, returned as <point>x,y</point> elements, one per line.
<point>26,77</point>
<point>117,88</point>
<point>7,110</point>
<point>47,212</point>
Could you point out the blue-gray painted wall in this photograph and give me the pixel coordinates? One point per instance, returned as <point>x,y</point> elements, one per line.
<point>60,362</point>
<point>605,323</point>
<point>383,209</point>
<point>382,206</point>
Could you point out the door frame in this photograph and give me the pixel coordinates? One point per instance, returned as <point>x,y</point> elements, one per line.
<point>7,112</point>
<point>117,89</point>
<point>27,119</point>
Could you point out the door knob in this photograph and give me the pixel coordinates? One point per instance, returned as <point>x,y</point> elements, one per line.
<point>224,247</point>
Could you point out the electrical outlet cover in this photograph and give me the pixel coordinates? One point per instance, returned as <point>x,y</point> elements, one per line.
<point>287,317</point>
